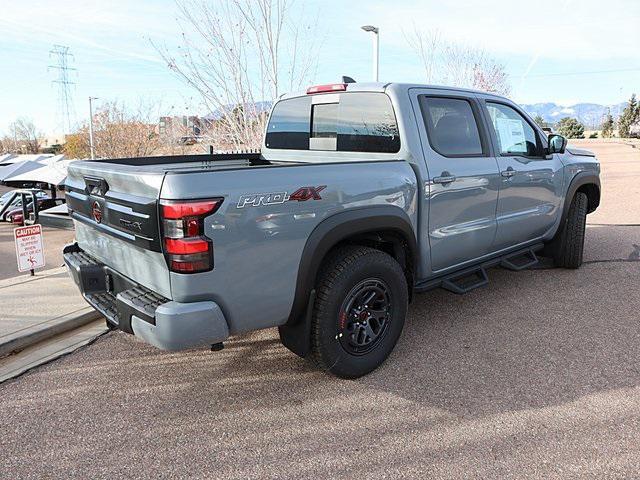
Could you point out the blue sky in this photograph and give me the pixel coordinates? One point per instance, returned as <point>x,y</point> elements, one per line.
<point>551,49</point>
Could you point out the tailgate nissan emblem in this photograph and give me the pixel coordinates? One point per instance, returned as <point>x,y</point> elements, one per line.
<point>96,210</point>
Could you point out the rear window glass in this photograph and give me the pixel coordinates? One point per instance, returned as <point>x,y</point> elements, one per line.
<point>289,124</point>
<point>356,122</point>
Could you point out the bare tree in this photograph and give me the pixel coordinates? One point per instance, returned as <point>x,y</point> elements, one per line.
<point>7,145</point>
<point>76,145</point>
<point>118,131</point>
<point>237,53</point>
<point>457,64</point>
<point>427,45</point>
<point>23,137</point>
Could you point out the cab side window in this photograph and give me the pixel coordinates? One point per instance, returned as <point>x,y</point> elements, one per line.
<point>513,133</point>
<point>452,127</point>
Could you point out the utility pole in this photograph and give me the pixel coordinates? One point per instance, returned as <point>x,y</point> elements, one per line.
<point>376,49</point>
<point>61,55</point>
<point>91,144</point>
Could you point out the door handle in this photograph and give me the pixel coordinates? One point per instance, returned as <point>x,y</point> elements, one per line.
<point>508,173</point>
<point>444,179</point>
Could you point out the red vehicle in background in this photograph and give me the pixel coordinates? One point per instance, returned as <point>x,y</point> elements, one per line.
<point>16,216</point>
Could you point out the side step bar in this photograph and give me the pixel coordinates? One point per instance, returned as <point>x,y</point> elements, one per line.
<point>519,260</point>
<point>468,279</point>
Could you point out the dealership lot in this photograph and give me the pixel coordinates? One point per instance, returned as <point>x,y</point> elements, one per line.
<point>537,374</point>
<point>54,241</point>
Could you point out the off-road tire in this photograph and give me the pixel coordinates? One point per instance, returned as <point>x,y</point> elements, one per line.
<point>569,244</point>
<point>344,271</point>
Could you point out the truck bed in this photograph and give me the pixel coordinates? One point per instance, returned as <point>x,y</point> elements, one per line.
<point>256,223</point>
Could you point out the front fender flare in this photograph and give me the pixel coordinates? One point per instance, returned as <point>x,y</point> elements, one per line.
<point>579,180</point>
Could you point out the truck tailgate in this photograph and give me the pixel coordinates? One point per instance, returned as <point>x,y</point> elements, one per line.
<point>115,211</point>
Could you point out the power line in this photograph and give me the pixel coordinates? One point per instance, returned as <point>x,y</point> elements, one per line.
<point>592,72</point>
<point>66,113</point>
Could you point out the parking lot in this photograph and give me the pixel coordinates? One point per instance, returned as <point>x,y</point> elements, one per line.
<point>536,375</point>
<point>54,240</point>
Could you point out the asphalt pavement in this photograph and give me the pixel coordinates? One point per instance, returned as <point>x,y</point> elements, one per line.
<point>536,375</point>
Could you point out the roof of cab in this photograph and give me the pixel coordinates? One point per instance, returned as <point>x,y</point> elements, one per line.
<point>382,87</point>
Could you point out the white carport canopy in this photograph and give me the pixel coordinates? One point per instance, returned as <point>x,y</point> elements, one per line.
<point>6,158</point>
<point>10,158</point>
<point>52,171</point>
<point>17,169</point>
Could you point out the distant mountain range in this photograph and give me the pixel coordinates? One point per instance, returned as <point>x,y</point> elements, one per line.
<point>589,114</point>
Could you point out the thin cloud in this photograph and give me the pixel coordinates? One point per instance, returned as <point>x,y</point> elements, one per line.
<point>78,40</point>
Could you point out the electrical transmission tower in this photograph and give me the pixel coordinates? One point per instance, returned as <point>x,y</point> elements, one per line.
<point>66,113</point>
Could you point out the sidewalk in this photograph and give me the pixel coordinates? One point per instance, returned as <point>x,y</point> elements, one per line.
<point>33,309</point>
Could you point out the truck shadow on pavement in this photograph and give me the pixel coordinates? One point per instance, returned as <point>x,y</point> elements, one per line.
<point>465,374</point>
<point>529,340</point>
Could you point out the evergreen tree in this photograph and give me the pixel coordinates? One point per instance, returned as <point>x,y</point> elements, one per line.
<point>630,115</point>
<point>570,128</point>
<point>540,121</point>
<point>607,126</point>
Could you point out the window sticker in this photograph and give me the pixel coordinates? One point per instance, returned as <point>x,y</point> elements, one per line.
<point>511,133</point>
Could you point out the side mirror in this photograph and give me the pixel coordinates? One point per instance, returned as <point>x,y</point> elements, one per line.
<point>557,144</point>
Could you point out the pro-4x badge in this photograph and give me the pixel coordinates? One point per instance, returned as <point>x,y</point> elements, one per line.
<point>300,195</point>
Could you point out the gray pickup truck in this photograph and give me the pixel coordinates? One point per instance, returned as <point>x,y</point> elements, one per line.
<point>361,195</point>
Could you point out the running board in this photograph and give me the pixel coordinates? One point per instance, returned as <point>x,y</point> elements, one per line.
<point>519,261</point>
<point>466,281</point>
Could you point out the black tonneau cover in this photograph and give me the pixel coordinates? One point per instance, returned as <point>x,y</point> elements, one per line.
<point>253,158</point>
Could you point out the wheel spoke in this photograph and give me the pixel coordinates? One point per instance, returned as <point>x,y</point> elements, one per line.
<point>379,314</point>
<point>369,331</point>
<point>369,297</point>
<point>367,307</point>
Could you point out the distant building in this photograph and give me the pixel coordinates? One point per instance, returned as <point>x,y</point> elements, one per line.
<point>186,129</point>
<point>52,143</point>
<point>634,129</point>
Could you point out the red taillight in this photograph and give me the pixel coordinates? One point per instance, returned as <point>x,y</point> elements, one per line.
<point>190,263</point>
<point>186,248</point>
<point>176,210</point>
<point>332,87</point>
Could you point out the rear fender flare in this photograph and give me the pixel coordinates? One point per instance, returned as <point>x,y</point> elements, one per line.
<point>326,235</point>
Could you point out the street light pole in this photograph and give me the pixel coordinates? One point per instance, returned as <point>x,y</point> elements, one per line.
<point>376,49</point>
<point>91,147</point>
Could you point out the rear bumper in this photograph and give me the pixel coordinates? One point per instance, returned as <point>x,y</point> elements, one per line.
<point>136,309</point>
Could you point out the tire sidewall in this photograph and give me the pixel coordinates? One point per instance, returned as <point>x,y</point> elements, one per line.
<point>376,265</point>
<point>567,241</point>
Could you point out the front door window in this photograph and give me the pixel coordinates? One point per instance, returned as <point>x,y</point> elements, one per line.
<point>514,134</point>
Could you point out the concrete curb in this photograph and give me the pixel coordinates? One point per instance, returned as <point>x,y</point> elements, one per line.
<point>26,278</point>
<point>24,338</point>
<point>51,349</point>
